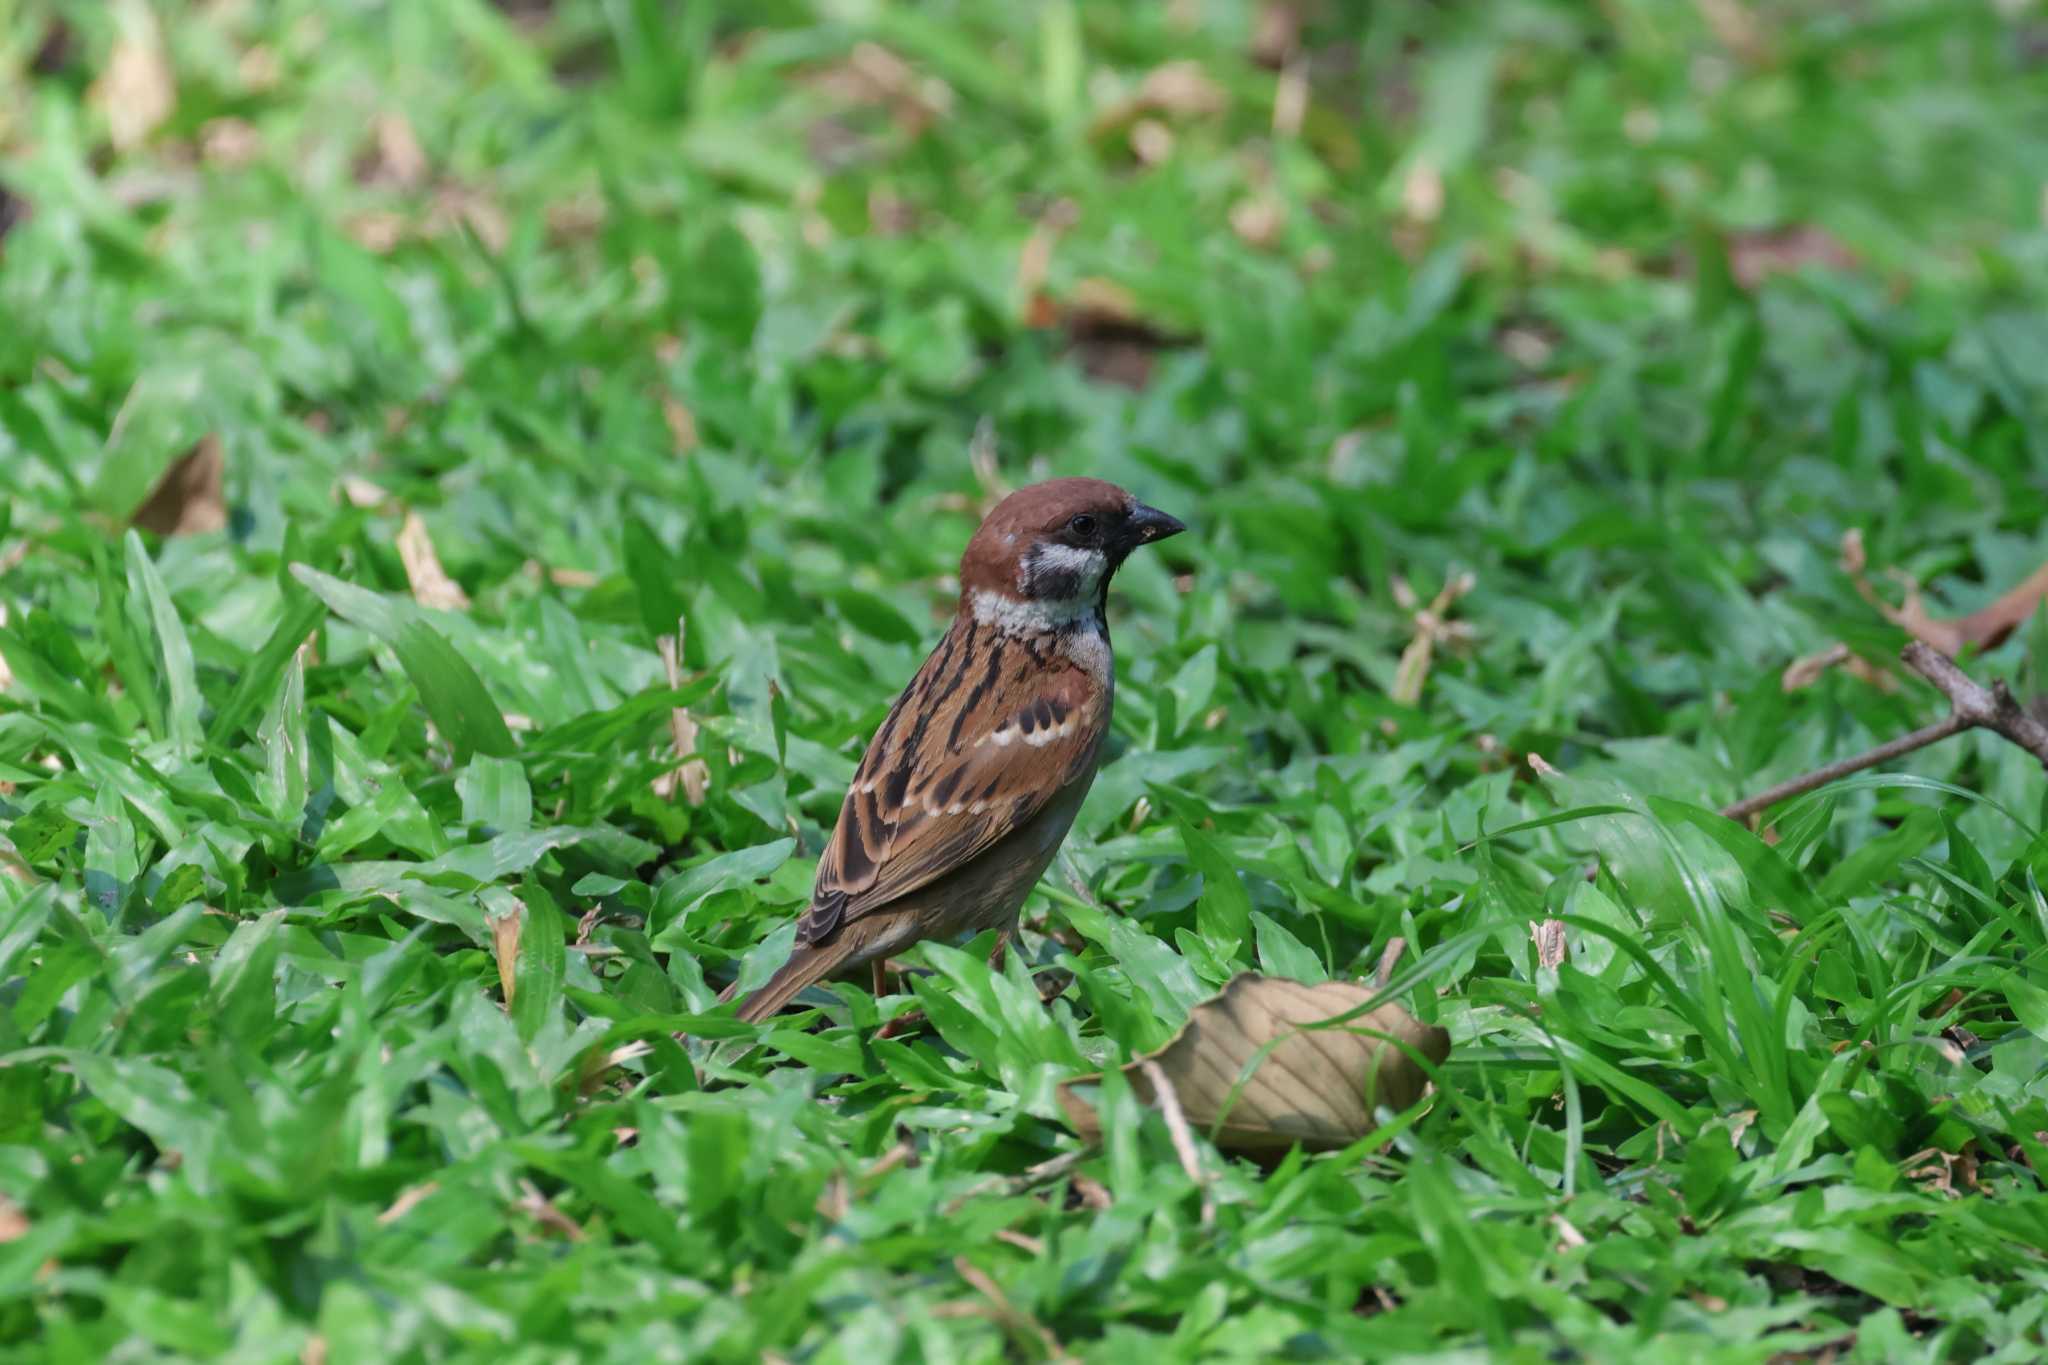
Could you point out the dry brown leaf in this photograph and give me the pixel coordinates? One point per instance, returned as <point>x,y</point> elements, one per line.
<point>1034,263</point>
<point>1176,90</point>
<point>137,91</point>
<point>1755,256</point>
<point>407,1201</point>
<point>1737,29</point>
<point>1551,948</point>
<point>6,675</point>
<point>1805,672</point>
<point>873,75</point>
<point>14,1223</point>
<point>431,585</point>
<point>1151,141</point>
<point>1290,100</point>
<point>1986,628</point>
<point>690,775</point>
<point>188,499</point>
<point>1182,89</point>
<point>505,947</point>
<point>1432,628</point>
<point>681,422</point>
<point>1258,220</point>
<point>361,493</point>
<point>394,157</point>
<point>1276,33</point>
<point>1315,1086</point>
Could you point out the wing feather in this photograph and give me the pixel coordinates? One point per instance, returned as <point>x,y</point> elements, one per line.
<point>990,729</point>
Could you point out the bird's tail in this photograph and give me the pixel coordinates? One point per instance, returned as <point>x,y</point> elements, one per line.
<point>807,963</point>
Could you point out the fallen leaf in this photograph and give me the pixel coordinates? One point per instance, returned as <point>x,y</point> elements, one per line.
<point>537,1205</point>
<point>1432,628</point>
<point>1151,141</point>
<point>1551,949</point>
<point>1986,628</point>
<point>1317,1086</point>
<point>394,157</point>
<point>14,1223</point>
<point>137,91</point>
<point>187,500</point>
<point>1257,221</point>
<point>1034,263</point>
<point>1736,29</point>
<point>1755,256</point>
<point>873,75</point>
<point>681,422</point>
<point>407,1200</point>
<point>229,143</point>
<point>690,775</point>
<point>1180,89</point>
<point>1276,32</point>
<point>361,493</point>
<point>505,947</point>
<point>431,585</point>
<point>1805,672</point>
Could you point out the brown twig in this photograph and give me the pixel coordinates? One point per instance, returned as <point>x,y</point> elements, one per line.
<point>1177,1129</point>
<point>1972,707</point>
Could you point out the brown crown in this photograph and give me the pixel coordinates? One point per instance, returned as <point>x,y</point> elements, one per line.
<point>1007,533</point>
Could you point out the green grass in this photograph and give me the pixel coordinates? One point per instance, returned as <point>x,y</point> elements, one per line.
<point>680,314</point>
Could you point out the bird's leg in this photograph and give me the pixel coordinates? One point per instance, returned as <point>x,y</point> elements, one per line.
<point>1001,951</point>
<point>879,970</point>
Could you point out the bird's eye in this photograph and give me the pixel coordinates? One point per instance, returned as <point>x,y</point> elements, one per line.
<point>1082,524</point>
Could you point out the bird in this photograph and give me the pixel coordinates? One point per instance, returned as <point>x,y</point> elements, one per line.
<point>968,788</point>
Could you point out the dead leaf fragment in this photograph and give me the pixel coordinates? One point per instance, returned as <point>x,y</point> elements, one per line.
<point>431,585</point>
<point>690,775</point>
<point>1755,256</point>
<point>1432,628</point>
<point>407,1201</point>
<point>873,75</point>
<point>1317,1086</point>
<point>13,1222</point>
<point>505,947</point>
<point>229,143</point>
<point>394,158</point>
<point>1258,220</point>
<point>1986,628</point>
<point>137,91</point>
<point>1551,949</point>
<point>1805,672</point>
<point>188,499</point>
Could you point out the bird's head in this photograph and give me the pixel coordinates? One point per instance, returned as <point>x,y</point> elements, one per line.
<point>1047,551</point>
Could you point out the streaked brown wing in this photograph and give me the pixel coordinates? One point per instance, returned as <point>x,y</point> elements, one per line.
<point>987,732</point>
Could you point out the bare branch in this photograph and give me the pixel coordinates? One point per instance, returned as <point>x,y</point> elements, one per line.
<point>1972,706</point>
<point>1992,708</point>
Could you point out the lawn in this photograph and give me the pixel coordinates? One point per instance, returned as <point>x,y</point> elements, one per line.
<point>473,475</point>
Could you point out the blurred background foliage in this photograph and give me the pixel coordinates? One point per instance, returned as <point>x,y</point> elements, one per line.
<point>1520,368</point>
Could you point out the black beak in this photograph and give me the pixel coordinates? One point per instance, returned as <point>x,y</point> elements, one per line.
<point>1147,524</point>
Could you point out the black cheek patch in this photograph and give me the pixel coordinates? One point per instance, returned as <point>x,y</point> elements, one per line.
<point>1056,585</point>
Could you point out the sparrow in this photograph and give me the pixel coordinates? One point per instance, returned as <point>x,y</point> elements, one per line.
<point>969,787</point>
